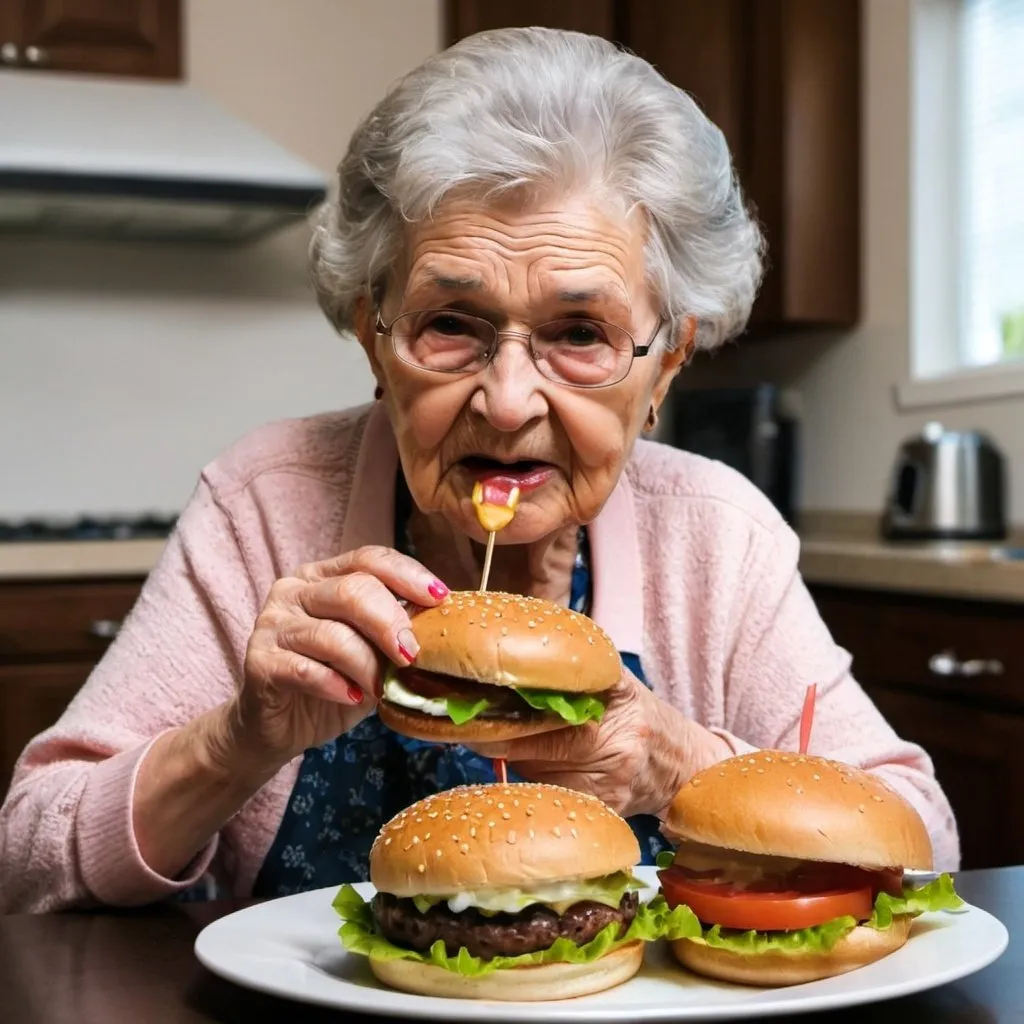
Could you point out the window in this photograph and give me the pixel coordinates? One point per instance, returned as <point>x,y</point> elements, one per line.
<point>992,147</point>
<point>967,198</point>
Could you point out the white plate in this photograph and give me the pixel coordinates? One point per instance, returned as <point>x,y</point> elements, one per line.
<point>289,947</point>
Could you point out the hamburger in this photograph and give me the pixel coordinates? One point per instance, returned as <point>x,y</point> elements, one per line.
<point>793,867</point>
<point>518,891</point>
<point>494,666</point>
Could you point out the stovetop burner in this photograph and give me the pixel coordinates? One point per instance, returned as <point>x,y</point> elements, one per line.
<point>150,526</point>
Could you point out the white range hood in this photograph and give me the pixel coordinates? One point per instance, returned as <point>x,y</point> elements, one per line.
<point>131,160</point>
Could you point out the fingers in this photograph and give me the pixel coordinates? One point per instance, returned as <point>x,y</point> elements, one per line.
<point>401,574</point>
<point>334,645</point>
<point>291,671</point>
<point>343,609</point>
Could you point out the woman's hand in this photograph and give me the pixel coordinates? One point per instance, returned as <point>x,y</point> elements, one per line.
<point>314,663</point>
<point>635,760</point>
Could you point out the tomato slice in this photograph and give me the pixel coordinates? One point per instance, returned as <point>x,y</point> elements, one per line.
<point>765,911</point>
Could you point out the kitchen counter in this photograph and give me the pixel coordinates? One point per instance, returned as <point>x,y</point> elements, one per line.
<point>845,550</point>
<point>78,559</point>
<point>836,550</point>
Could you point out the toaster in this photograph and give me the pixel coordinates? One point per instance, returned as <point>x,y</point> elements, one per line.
<point>946,485</point>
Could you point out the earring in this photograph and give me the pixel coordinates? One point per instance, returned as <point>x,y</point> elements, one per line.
<point>378,392</point>
<point>652,420</point>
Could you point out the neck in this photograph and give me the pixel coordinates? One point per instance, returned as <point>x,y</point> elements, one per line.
<point>542,569</point>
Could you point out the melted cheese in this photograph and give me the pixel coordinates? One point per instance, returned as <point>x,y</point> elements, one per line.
<point>559,896</point>
<point>395,692</point>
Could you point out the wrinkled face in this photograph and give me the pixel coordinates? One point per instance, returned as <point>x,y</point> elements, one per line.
<point>507,424</point>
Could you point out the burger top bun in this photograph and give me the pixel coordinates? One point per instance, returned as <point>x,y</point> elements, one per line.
<point>795,805</point>
<point>519,835</point>
<point>509,640</point>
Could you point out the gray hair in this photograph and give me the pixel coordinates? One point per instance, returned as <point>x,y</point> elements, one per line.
<point>534,109</point>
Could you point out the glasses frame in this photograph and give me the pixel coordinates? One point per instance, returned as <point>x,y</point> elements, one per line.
<point>639,351</point>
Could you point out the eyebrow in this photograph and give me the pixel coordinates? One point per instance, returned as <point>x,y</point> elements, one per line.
<point>456,284</point>
<point>582,296</point>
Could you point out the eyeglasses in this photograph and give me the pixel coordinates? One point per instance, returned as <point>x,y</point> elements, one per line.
<point>576,352</point>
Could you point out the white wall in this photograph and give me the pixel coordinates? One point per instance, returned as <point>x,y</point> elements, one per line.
<point>851,427</point>
<point>124,369</point>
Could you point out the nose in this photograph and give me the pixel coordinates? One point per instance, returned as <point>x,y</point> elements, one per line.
<point>509,394</point>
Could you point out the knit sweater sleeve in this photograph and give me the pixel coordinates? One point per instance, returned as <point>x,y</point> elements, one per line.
<point>782,646</point>
<point>66,833</point>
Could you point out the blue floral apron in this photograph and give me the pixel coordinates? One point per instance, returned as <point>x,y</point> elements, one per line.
<point>348,788</point>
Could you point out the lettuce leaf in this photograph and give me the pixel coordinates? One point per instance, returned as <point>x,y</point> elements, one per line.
<point>461,711</point>
<point>936,895</point>
<point>575,708</point>
<point>653,921</point>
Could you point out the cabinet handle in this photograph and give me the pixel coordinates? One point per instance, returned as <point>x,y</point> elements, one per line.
<point>8,53</point>
<point>105,629</point>
<point>36,55</point>
<point>948,665</point>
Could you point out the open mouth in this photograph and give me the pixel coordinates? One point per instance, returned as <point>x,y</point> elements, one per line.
<point>499,478</point>
<point>483,465</point>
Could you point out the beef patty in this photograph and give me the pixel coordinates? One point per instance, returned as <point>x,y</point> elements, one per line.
<point>534,928</point>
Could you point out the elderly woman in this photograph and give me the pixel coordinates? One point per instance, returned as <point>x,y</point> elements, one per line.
<point>532,234</point>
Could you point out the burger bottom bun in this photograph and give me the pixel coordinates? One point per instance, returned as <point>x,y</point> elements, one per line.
<point>516,984</point>
<point>858,948</point>
<point>437,729</point>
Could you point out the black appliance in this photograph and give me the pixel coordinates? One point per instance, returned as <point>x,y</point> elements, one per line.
<point>746,429</point>
<point>143,527</point>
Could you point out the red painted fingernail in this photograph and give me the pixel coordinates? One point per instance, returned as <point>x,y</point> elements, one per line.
<point>355,694</point>
<point>405,653</point>
<point>437,590</point>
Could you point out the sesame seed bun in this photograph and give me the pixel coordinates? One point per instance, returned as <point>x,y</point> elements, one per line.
<point>857,948</point>
<point>544,982</point>
<point>794,805</point>
<point>519,835</point>
<point>508,640</point>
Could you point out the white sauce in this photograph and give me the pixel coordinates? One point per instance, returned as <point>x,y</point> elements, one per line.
<point>557,895</point>
<point>395,692</point>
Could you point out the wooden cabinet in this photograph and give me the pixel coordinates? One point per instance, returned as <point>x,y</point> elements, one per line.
<point>782,79</point>
<point>465,17</point>
<point>51,636</point>
<point>948,675</point>
<point>140,38</point>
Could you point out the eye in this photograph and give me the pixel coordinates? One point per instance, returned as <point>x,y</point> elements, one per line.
<point>576,333</point>
<point>450,324</point>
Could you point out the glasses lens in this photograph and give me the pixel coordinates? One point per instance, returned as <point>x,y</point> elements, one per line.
<point>443,340</point>
<point>583,353</point>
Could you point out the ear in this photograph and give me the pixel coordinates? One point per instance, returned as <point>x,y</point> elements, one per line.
<point>365,322</point>
<point>672,362</point>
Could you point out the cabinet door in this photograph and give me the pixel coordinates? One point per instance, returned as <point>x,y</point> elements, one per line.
<point>110,37</point>
<point>699,46</point>
<point>977,761</point>
<point>464,17</point>
<point>32,698</point>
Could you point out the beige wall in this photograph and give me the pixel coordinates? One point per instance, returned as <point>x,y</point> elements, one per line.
<point>844,384</point>
<point>126,368</point>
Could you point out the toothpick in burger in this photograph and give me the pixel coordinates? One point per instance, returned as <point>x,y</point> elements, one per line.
<point>494,666</point>
<point>793,867</point>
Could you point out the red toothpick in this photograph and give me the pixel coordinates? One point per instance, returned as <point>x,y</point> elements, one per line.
<point>807,717</point>
<point>500,770</point>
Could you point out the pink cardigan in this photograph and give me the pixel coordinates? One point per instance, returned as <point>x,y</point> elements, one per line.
<point>693,569</point>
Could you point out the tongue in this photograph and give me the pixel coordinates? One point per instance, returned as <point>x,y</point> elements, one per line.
<point>497,489</point>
